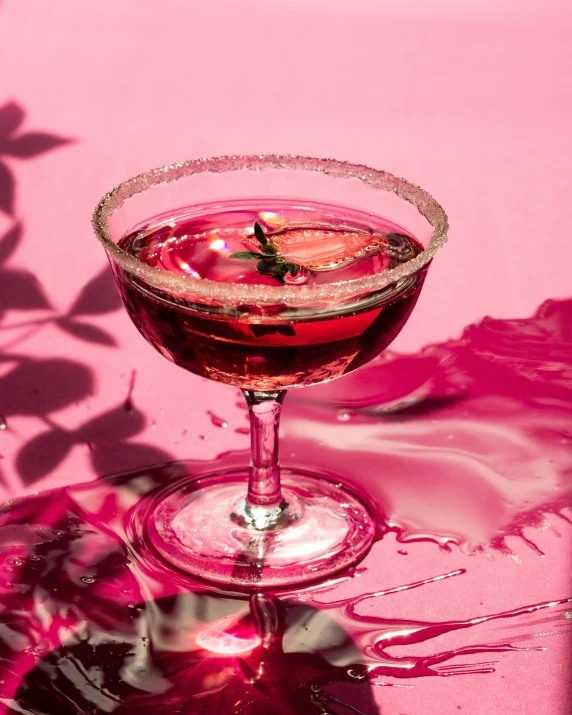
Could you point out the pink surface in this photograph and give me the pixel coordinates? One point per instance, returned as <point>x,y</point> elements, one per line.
<point>472,103</point>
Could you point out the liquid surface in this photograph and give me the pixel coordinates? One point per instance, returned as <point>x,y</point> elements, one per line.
<point>273,347</point>
<point>327,243</point>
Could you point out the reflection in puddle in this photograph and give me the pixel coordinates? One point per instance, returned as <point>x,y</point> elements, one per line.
<point>91,625</point>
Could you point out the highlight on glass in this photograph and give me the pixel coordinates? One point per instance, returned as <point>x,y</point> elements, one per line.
<point>267,273</point>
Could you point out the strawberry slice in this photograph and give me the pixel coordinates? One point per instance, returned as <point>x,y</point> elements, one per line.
<point>323,250</point>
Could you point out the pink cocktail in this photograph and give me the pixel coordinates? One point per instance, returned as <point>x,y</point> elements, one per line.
<point>267,273</point>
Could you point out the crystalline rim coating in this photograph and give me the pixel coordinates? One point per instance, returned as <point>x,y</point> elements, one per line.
<point>204,290</point>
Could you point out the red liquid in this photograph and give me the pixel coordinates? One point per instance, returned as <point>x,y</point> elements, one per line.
<point>259,348</point>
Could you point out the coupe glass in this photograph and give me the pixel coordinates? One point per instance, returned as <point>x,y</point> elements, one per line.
<point>253,527</point>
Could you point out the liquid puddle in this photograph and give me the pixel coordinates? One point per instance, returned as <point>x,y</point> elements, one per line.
<point>466,443</point>
<point>93,622</point>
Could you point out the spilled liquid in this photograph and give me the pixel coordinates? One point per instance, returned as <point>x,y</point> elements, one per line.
<point>216,420</point>
<point>128,405</point>
<point>92,624</point>
<point>465,443</point>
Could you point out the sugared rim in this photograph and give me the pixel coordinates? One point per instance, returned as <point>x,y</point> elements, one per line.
<point>204,290</point>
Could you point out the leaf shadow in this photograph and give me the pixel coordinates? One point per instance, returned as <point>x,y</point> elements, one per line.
<point>106,436</point>
<point>16,143</point>
<point>97,297</point>
<point>19,288</point>
<point>40,386</point>
<point>35,387</point>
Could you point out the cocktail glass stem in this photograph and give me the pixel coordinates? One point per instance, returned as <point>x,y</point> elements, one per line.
<point>264,507</point>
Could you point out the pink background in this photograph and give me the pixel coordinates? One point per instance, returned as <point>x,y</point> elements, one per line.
<point>471,100</point>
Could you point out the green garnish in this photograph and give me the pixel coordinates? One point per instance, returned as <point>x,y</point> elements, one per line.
<point>260,235</point>
<point>269,262</point>
<point>246,255</point>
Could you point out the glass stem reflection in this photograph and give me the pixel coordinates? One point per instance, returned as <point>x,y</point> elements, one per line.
<point>264,507</point>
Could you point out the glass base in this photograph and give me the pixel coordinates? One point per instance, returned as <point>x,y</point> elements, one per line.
<point>205,528</point>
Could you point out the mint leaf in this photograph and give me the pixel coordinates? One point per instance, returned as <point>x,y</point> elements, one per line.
<point>265,266</point>
<point>260,235</point>
<point>269,262</point>
<point>246,255</point>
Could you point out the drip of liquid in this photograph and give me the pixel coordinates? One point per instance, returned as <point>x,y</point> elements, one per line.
<point>3,423</point>
<point>216,420</point>
<point>128,405</point>
<point>374,641</point>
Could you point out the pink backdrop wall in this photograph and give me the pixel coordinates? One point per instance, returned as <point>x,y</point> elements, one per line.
<point>473,102</point>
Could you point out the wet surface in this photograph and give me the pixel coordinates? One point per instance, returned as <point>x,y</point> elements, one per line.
<point>465,447</point>
<point>93,623</point>
<point>467,442</point>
